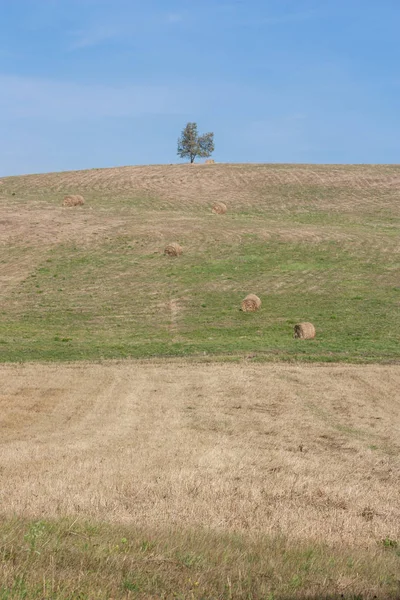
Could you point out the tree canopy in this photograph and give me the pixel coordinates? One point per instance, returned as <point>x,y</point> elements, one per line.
<point>191,144</point>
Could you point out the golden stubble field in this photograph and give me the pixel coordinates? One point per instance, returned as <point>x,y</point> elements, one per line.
<point>307,452</point>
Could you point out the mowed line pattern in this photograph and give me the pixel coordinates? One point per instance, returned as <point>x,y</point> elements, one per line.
<point>235,183</point>
<point>306,452</point>
<point>317,244</point>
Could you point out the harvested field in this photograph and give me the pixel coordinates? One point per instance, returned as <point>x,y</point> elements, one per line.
<point>272,467</point>
<point>234,184</point>
<point>320,242</point>
<point>232,447</point>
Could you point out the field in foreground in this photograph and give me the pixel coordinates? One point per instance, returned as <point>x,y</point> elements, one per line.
<point>316,243</point>
<point>169,479</point>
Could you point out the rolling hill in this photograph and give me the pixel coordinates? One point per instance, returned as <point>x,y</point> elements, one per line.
<point>316,243</point>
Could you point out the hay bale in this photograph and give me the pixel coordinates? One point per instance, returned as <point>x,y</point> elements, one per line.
<point>210,161</point>
<point>73,200</point>
<point>251,303</point>
<point>173,249</point>
<point>304,331</point>
<point>219,208</point>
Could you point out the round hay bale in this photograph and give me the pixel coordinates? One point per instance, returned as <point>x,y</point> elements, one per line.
<point>73,200</point>
<point>69,200</point>
<point>173,249</point>
<point>210,161</point>
<point>219,208</point>
<point>304,331</point>
<point>251,303</point>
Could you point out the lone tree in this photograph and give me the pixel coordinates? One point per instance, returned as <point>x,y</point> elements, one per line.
<point>191,144</point>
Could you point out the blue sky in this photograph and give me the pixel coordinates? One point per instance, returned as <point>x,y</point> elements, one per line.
<point>96,83</point>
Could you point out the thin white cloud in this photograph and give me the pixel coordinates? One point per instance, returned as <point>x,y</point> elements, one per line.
<point>92,36</point>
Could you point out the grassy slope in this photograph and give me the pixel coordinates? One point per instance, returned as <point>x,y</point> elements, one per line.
<point>315,243</point>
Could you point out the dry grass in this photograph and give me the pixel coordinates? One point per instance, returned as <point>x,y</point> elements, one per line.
<point>355,187</point>
<point>173,196</point>
<point>251,303</point>
<point>294,451</point>
<point>205,480</point>
<point>304,331</point>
